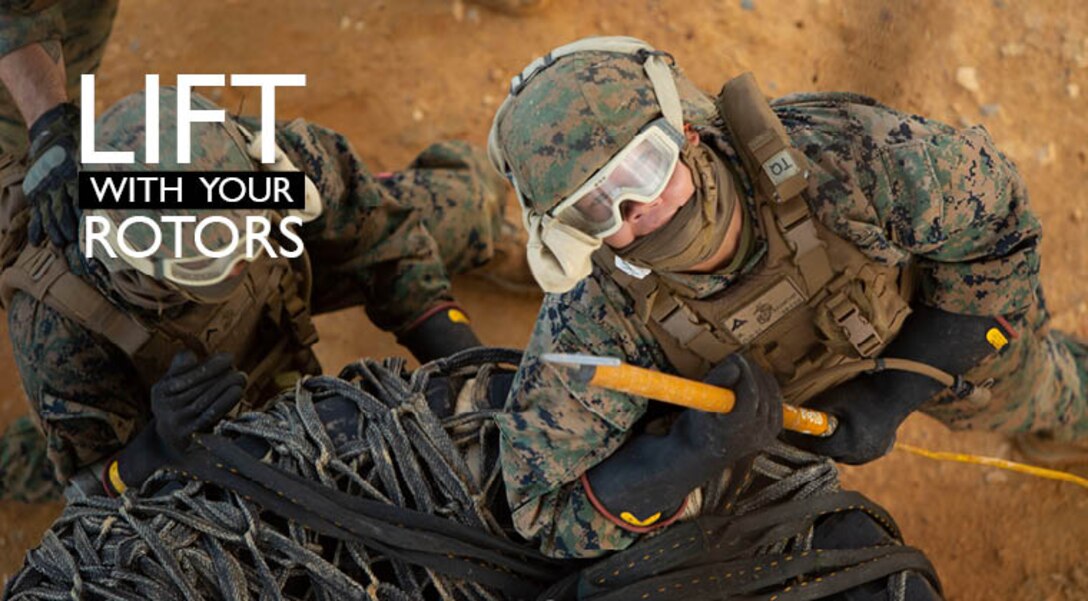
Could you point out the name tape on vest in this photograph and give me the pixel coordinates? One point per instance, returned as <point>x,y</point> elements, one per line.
<point>755,317</point>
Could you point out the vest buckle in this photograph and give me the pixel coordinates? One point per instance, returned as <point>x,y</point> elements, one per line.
<point>861,334</point>
<point>40,264</point>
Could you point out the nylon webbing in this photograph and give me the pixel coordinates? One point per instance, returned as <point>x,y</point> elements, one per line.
<point>354,489</point>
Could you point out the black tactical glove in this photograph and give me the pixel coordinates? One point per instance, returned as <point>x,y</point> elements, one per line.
<point>192,397</point>
<point>871,407</point>
<point>440,334</point>
<point>754,422</point>
<point>650,476</point>
<point>51,184</point>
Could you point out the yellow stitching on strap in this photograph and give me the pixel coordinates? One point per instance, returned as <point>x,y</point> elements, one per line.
<point>996,338</point>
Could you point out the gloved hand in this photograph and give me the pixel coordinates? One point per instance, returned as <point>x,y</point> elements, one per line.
<point>51,184</point>
<point>871,407</point>
<point>868,421</point>
<point>647,479</point>
<point>755,421</point>
<point>440,334</point>
<point>192,397</point>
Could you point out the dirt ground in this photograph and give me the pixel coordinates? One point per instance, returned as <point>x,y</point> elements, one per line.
<point>396,75</point>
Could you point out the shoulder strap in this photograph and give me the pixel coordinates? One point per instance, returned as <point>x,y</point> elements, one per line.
<point>779,171</point>
<point>42,273</point>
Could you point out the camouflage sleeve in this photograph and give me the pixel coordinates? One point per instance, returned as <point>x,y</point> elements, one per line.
<point>21,26</point>
<point>902,186</point>
<point>558,429</point>
<point>367,246</point>
<point>83,390</point>
<point>960,206</point>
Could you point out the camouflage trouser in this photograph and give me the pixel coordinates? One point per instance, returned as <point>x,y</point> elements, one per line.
<point>26,473</point>
<point>87,28</point>
<point>460,197</point>
<point>1039,383</point>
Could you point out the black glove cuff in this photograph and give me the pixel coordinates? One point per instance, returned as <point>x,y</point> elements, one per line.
<point>626,520</point>
<point>141,457</point>
<point>645,483</point>
<point>65,111</point>
<point>441,333</point>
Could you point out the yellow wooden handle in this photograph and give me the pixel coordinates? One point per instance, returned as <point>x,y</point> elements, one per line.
<point>699,395</point>
<point>808,421</point>
<point>664,387</point>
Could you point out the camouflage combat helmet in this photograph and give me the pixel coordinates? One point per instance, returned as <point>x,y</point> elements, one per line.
<point>568,115</point>
<point>572,110</point>
<point>215,147</point>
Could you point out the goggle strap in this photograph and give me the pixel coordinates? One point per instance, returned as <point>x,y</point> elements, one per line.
<point>665,89</point>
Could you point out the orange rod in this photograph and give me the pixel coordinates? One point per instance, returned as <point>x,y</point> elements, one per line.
<point>698,395</point>
<point>664,387</point>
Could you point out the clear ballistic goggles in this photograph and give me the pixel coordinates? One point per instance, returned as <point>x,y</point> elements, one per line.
<point>194,271</point>
<point>639,173</point>
<point>203,271</point>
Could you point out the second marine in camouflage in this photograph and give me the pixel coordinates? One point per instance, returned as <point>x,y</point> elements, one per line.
<point>372,242</point>
<point>363,247</point>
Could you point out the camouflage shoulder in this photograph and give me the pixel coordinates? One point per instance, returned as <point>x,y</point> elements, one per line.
<point>823,99</point>
<point>83,388</point>
<point>853,120</point>
<point>24,22</point>
<point>870,168</point>
<point>55,354</point>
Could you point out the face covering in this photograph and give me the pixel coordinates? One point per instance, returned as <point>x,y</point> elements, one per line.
<point>559,255</point>
<point>696,231</point>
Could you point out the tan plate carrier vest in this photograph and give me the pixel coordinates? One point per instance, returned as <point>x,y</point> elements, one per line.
<point>265,322</point>
<point>814,302</point>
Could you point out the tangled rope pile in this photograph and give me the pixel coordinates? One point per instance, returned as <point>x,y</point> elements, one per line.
<point>327,523</point>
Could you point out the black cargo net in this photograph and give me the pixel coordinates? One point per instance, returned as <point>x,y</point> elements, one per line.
<point>355,488</point>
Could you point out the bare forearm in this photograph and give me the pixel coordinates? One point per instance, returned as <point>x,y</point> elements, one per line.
<point>35,77</point>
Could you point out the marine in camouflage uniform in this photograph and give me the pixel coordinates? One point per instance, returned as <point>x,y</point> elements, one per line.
<point>448,189</point>
<point>367,247</point>
<point>907,191</point>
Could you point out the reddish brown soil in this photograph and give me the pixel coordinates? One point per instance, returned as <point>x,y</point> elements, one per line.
<point>396,75</point>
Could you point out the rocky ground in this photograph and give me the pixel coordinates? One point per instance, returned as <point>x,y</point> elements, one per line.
<point>396,75</point>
